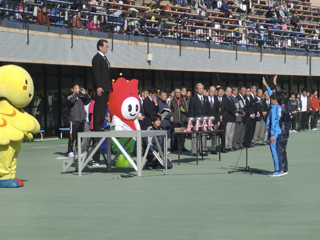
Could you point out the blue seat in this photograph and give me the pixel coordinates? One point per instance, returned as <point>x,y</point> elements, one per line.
<point>63,129</point>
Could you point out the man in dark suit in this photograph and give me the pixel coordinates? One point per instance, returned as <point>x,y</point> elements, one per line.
<point>198,107</point>
<point>239,110</point>
<point>102,82</point>
<point>214,111</point>
<point>242,127</point>
<point>260,130</point>
<point>150,106</point>
<point>227,118</point>
<point>249,118</point>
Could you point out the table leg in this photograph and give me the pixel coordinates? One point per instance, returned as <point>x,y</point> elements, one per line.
<point>109,160</point>
<point>178,135</point>
<point>219,148</point>
<point>79,156</point>
<point>197,146</point>
<point>139,163</point>
<point>201,146</point>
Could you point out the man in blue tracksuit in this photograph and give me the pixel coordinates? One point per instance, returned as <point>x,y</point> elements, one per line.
<point>284,124</point>
<point>274,132</point>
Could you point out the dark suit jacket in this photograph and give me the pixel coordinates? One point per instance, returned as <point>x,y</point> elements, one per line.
<point>259,107</point>
<point>196,109</point>
<point>214,110</point>
<point>266,108</point>
<point>149,110</point>
<point>249,106</point>
<point>101,73</point>
<point>242,106</point>
<point>228,111</point>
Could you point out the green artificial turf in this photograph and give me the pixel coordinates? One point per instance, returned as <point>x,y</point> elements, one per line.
<point>187,202</point>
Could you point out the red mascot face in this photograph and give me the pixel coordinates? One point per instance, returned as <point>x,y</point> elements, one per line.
<point>124,100</point>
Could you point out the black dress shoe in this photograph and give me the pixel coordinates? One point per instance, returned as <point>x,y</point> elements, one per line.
<point>224,151</point>
<point>184,150</point>
<point>213,152</point>
<point>204,154</point>
<point>194,154</point>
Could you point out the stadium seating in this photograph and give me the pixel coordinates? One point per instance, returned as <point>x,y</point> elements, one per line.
<point>180,23</point>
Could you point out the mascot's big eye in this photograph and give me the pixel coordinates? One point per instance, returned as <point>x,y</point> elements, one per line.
<point>130,108</point>
<point>26,82</point>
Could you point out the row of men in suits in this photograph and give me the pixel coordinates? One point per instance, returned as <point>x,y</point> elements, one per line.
<point>241,114</point>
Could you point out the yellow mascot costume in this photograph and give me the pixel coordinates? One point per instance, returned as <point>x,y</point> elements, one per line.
<point>16,92</point>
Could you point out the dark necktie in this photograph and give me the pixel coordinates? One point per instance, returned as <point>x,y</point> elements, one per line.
<point>202,100</point>
<point>105,58</point>
<point>211,102</point>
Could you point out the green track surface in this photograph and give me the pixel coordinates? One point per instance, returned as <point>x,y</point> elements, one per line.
<point>187,202</point>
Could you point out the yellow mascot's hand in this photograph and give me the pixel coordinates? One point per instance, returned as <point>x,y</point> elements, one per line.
<point>15,124</point>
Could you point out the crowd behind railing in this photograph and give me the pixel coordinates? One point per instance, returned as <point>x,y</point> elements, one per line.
<point>173,22</point>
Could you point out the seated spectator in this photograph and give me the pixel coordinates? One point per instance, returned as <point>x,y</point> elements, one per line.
<point>271,4</point>
<point>272,16</point>
<point>76,21</point>
<point>167,8</point>
<point>152,162</point>
<point>43,18</point>
<point>91,26</point>
<point>226,9</point>
<point>295,22</point>
<point>99,26</point>
<point>280,18</point>
<point>201,7</point>
<point>124,30</point>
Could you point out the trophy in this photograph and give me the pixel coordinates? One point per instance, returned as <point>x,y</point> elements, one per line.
<point>210,123</point>
<point>189,127</point>
<point>204,124</point>
<point>198,123</point>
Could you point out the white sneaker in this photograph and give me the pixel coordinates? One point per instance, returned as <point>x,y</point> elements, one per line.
<point>71,154</point>
<point>294,131</point>
<point>230,16</point>
<point>291,131</point>
<point>315,129</point>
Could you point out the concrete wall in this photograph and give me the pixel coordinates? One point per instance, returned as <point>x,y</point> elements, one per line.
<point>52,48</point>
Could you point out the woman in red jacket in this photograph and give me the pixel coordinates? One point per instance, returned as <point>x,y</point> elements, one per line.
<point>315,109</point>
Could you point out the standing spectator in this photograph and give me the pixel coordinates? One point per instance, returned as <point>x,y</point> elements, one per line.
<point>144,94</point>
<point>171,95</point>
<point>179,109</point>
<point>298,97</point>
<point>150,106</point>
<point>314,109</point>
<point>309,111</point>
<point>205,92</point>
<point>250,117</point>
<point>102,83</point>
<point>189,94</point>
<point>260,129</point>
<point>78,99</point>
<point>166,115</point>
<point>227,118</point>
<point>295,22</point>
<point>214,111</point>
<point>242,127</point>
<point>238,120</point>
<point>43,18</point>
<point>76,21</point>
<point>198,107</point>
<point>294,108</point>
